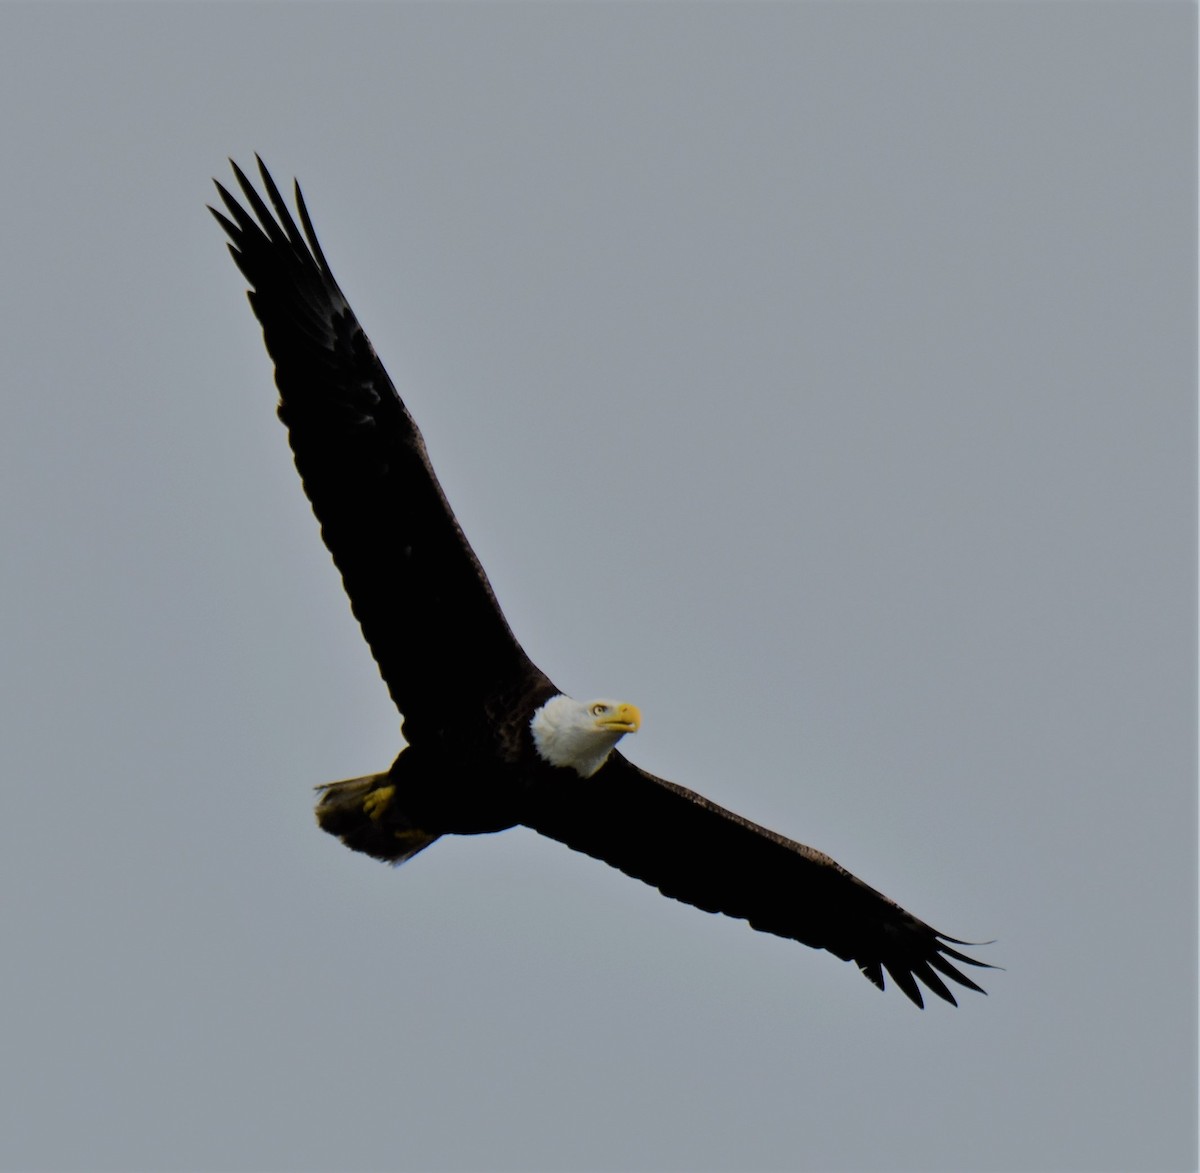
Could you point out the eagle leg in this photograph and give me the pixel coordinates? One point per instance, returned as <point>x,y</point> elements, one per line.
<point>360,812</point>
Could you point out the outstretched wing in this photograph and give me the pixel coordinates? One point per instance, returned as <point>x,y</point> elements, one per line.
<point>415,585</point>
<point>696,851</point>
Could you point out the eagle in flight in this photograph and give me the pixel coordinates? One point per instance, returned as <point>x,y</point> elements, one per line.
<point>491,742</point>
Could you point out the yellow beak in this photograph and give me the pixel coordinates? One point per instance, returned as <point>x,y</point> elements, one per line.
<point>620,719</point>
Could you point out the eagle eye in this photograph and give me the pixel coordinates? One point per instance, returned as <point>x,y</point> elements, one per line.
<point>598,709</point>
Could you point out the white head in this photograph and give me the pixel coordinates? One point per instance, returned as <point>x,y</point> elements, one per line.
<point>581,734</point>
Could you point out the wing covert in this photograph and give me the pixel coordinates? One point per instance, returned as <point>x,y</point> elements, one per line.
<point>416,587</point>
<point>695,851</point>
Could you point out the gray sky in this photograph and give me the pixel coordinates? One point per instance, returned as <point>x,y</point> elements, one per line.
<point>819,377</point>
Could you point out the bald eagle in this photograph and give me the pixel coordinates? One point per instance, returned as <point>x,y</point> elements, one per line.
<point>491,742</point>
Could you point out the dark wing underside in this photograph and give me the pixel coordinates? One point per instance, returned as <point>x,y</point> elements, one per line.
<point>695,851</point>
<point>415,586</point>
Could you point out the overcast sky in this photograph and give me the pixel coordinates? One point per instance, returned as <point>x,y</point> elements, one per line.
<point>821,378</point>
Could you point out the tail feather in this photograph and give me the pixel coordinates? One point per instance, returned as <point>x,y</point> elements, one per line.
<point>363,814</point>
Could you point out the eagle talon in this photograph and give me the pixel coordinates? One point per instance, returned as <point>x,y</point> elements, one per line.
<point>377,802</point>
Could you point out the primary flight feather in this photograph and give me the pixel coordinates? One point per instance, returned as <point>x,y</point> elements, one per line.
<point>491,743</point>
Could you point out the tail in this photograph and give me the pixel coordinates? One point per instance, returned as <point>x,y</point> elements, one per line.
<point>363,814</point>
